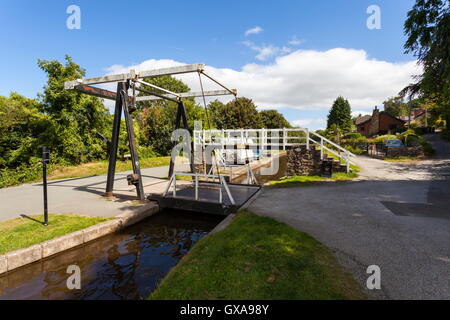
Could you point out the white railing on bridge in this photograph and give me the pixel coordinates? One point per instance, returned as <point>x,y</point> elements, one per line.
<point>222,183</point>
<point>269,139</point>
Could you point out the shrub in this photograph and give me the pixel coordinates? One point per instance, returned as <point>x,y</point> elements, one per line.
<point>354,150</point>
<point>21,174</point>
<point>382,139</point>
<point>428,149</point>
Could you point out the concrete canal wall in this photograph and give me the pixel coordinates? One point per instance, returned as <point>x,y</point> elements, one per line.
<point>22,257</point>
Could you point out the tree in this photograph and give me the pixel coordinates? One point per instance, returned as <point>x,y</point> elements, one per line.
<point>396,107</point>
<point>340,114</point>
<point>428,37</point>
<point>23,129</point>
<point>272,119</point>
<point>240,113</point>
<point>76,117</point>
<point>157,118</point>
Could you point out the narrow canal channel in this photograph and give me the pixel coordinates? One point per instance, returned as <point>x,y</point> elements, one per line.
<point>125,265</point>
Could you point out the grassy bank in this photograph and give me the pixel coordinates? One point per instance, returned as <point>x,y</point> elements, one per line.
<point>13,177</point>
<point>298,181</point>
<point>23,232</point>
<point>258,258</point>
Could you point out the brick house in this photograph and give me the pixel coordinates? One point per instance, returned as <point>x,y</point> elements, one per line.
<point>377,124</point>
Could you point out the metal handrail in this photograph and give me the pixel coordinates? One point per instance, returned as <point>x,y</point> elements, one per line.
<point>263,139</point>
<point>222,182</point>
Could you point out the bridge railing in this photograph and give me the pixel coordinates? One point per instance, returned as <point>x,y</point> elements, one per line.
<point>223,183</point>
<point>267,139</point>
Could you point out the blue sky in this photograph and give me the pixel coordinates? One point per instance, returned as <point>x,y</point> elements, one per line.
<point>213,32</point>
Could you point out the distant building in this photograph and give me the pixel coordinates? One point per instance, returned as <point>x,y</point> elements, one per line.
<point>418,117</point>
<point>378,123</point>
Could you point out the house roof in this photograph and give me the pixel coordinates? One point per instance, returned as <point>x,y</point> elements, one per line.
<point>390,115</point>
<point>363,119</point>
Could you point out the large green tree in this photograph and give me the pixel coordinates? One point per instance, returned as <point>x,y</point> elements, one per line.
<point>23,129</point>
<point>240,113</point>
<point>156,118</point>
<point>396,107</point>
<point>428,37</point>
<point>340,114</point>
<point>272,119</point>
<point>76,117</point>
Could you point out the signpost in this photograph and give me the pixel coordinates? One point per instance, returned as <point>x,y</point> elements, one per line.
<point>45,160</point>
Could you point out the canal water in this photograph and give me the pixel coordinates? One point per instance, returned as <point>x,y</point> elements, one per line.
<point>125,265</point>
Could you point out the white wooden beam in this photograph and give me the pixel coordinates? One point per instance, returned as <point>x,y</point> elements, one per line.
<point>132,74</point>
<point>190,95</point>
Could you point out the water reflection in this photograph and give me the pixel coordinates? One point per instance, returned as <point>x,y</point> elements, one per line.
<point>125,265</point>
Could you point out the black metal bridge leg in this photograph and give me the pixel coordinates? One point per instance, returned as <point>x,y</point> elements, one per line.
<point>137,179</point>
<point>181,116</point>
<point>177,126</point>
<point>114,144</point>
<point>186,126</point>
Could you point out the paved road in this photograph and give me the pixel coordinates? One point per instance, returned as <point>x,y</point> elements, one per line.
<point>397,216</point>
<point>77,195</point>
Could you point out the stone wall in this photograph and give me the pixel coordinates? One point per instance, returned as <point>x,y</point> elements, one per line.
<point>404,152</point>
<point>303,162</point>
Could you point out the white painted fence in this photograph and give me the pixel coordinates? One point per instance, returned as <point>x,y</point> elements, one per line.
<point>269,139</point>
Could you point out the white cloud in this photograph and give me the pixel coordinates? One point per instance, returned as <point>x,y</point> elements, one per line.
<point>307,123</point>
<point>295,41</point>
<point>254,30</point>
<point>266,51</point>
<point>306,79</point>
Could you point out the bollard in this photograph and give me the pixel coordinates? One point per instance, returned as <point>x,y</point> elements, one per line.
<point>45,160</point>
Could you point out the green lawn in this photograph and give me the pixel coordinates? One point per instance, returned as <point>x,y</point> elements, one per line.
<point>258,258</point>
<point>298,181</point>
<point>101,167</point>
<point>23,232</point>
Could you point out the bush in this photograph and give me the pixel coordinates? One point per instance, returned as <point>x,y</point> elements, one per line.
<point>412,140</point>
<point>382,139</point>
<point>354,136</point>
<point>428,149</point>
<point>354,150</point>
<point>21,174</point>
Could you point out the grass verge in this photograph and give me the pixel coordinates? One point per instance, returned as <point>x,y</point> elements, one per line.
<point>403,159</point>
<point>101,167</point>
<point>258,258</point>
<point>22,232</point>
<point>298,181</point>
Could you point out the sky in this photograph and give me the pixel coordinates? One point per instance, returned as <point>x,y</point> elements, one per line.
<point>294,56</point>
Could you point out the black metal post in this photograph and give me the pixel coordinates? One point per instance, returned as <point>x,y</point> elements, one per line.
<point>186,126</point>
<point>181,116</point>
<point>132,143</point>
<point>45,159</point>
<point>114,141</point>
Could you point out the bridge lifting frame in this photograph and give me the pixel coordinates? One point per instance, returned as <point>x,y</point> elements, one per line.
<point>127,104</point>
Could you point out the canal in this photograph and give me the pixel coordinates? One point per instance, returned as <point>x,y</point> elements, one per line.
<point>125,265</point>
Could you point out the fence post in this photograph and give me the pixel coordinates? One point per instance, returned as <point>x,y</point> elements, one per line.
<point>321,148</point>
<point>347,160</point>
<point>284,138</point>
<point>196,187</point>
<point>307,139</point>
